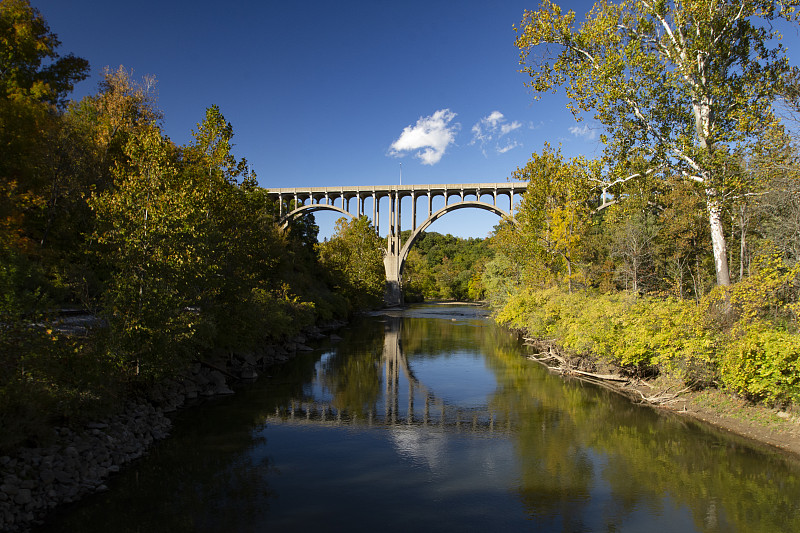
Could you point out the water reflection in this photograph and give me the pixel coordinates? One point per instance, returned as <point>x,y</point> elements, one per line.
<point>351,381</point>
<point>434,410</point>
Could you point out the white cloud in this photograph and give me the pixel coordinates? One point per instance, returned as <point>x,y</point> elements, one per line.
<point>492,128</point>
<point>434,133</point>
<point>584,131</point>
<point>509,146</point>
<point>494,118</point>
<point>505,129</point>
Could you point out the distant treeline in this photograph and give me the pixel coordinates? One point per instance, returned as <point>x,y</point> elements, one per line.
<point>444,267</point>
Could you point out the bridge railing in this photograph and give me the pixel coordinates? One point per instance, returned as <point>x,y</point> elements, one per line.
<point>447,417</point>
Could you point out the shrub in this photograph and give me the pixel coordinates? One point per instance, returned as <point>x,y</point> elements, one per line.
<point>763,363</point>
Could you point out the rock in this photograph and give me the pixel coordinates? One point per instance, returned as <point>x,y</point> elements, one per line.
<point>47,476</point>
<point>200,379</point>
<point>248,373</point>
<point>23,497</point>
<point>216,377</point>
<point>223,389</point>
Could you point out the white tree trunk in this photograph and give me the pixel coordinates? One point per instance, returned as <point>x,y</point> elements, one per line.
<point>718,239</point>
<point>702,105</point>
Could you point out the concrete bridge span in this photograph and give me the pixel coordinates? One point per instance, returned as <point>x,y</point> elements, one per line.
<point>295,201</point>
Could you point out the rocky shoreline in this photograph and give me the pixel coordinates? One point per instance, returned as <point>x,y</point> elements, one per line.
<point>78,462</point>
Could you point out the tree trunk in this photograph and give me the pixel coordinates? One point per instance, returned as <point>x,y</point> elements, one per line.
<point>742,241</point>
<point>702,105</point>
<point>718,239</point>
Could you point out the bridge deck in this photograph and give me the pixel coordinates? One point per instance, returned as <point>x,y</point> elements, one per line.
<point>313,413</point>
<point>363,189</point>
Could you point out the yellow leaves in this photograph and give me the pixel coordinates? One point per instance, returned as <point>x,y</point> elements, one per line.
<point>763,292</point>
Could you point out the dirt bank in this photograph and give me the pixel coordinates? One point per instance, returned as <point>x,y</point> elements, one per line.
<point>779,429</point>
<point>771,427</point>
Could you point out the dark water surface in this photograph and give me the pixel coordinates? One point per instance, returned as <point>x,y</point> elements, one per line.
<point>431,419</point>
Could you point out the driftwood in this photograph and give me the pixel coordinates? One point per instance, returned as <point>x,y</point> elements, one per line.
<point>549,354</point>
<point>604,377</point>
<point>663,397</point>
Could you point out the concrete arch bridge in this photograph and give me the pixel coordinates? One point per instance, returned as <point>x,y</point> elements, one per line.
<point>296,201</point>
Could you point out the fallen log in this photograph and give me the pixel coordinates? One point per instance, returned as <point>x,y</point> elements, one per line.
<point>605,377</point>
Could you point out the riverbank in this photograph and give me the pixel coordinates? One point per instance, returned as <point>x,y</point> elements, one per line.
<point>762,425</point>
<point>78,461</point>
<point>777,428</point>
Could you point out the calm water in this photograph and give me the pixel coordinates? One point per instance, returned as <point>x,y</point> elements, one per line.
<point>431,419</point>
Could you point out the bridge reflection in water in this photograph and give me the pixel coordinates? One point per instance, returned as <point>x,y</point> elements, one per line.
<point>422,408</point>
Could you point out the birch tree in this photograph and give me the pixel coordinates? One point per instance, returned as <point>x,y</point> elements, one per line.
<point>678,85</point>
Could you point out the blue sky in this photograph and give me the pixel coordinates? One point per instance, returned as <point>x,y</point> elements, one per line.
<point>324,93</point>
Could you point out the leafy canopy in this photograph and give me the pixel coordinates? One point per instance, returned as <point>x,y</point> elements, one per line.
<point>29,63</point>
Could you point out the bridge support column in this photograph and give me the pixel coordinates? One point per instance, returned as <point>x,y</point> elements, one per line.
<point>393,295</point>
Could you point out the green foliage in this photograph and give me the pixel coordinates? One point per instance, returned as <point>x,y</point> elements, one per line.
<point>553,219</point>
<point>763,363</point>
<point>640,335</point>
<point>354,259</point>
<point>444,267</point>
<point>26,42</point>
<point>175,246</point>
<point>146,233</point>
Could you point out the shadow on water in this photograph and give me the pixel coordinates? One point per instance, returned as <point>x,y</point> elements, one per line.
<point>430,418</point>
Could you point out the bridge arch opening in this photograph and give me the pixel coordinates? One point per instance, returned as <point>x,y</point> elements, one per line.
<point>466,204</point>
<point>311,208</point>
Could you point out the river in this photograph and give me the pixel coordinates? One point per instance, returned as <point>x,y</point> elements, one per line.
<point>432,419</point>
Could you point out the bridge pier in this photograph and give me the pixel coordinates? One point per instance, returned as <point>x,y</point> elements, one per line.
<point>321,198</point>
<point>393,295</point>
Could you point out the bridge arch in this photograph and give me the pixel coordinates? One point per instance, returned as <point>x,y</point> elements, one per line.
<point>310,209</point>
<point>440,213</point>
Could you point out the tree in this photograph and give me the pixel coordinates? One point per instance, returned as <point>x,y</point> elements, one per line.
<point>554,213</point>
<point>680,84</point>
<point>631,241</point>
<point>354,257</point>
<point>26,42</point>
<point>37,190</point>
<point>147,234</point>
